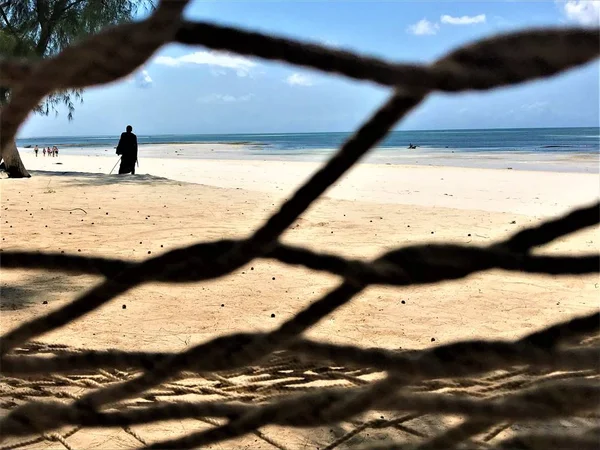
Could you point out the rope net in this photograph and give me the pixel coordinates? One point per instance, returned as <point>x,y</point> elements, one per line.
<point>540,391</point>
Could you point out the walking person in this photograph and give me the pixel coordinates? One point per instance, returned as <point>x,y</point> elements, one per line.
<point>36,150</point>
<point>128,149</point>
<point>44,151</point>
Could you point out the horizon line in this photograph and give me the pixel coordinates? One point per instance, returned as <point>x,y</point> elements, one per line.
<point>302,132</point>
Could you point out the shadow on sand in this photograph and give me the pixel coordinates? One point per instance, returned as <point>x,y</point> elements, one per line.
<point>100,179</point>
<point>36,289</point>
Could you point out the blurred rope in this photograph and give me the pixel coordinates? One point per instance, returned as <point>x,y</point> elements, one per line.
<point>499,61</point>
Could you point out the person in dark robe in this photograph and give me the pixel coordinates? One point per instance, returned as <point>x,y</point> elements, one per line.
<point>128,149</point>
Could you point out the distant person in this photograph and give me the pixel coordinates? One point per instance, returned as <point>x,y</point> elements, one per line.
<point>44,151</point>
<point>36,150</point>
<point>128,149</point>
<point>56,151</point>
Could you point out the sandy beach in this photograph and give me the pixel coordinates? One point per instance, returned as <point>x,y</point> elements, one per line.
<point>76,207</point>
<point>474,186</point>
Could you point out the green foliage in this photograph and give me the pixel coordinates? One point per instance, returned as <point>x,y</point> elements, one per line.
<point>42,28</point>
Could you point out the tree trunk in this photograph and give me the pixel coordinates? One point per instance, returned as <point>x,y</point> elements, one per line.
<point>12,162</point>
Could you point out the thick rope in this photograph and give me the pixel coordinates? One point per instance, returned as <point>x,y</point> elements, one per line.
<point>549,374</point>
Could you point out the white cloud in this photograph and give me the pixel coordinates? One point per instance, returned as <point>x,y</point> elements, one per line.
<point>297,79</point>
<point>141,79</point>
<point>331,43</point>
<point>225,98</point>
<point>241,65</point>
<point>585,12</point>
<point>538,106</point>
<point>423,27</point>
<point>464,20</point>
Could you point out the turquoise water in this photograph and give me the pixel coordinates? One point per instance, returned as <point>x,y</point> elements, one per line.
<point>537,140</point>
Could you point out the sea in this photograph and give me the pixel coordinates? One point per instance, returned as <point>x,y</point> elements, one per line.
<point>527,140</point>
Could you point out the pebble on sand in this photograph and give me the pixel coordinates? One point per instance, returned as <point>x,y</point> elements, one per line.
<point>272,315</point>
<point>432,339</point>
<point>222,305</point>
<point>403,302</point>
<point>273,278</point>
<point>124,306</point>
<point>45,302</point>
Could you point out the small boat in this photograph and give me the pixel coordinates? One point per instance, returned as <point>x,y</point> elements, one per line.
<point>411,147</point>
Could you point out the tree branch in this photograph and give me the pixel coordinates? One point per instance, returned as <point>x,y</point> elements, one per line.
<point>8,24</point>
<point>71,5</point>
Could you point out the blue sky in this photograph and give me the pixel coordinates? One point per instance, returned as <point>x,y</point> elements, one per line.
<point>193,90</point>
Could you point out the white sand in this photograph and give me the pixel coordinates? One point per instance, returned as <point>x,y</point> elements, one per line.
<point>533,193</point>
<point>375,208</point>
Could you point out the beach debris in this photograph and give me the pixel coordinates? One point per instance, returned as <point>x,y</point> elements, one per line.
<point>272,315</point>
<point>432,339</point>
<point>45,302</point>
<point>124,306</point>
<point>513,222</point>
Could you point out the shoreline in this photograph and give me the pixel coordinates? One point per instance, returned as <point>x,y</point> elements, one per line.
<point>561,162</point>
